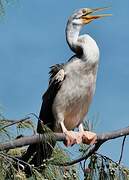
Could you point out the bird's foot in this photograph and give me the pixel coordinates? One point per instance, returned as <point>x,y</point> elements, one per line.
<point>89,137</point>
<point>73,138</point>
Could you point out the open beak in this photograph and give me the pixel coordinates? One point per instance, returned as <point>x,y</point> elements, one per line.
<point>89,16</point>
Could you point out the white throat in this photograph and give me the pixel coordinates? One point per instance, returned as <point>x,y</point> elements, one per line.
<point>90,48</point>
<point>82,45</point>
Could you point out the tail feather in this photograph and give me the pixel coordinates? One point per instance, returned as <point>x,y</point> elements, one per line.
<point>36,153</point>
<point>43,152</point>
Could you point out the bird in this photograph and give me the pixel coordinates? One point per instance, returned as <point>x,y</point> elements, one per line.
<point>72,84</point>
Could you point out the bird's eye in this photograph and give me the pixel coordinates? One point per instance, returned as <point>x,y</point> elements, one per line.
<point>84,11</point>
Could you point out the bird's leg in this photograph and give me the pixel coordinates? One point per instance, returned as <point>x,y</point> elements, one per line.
<point>71,136</point>
<point>88,137</point>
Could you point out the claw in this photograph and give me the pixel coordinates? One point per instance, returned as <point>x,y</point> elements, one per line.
<point>73,138</point>
<point>89,137</point>
<point>85,137</point>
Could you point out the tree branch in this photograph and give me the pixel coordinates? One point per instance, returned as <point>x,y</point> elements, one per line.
<point>13,122</point>
<point>28,140</point>
<point>101,138</point>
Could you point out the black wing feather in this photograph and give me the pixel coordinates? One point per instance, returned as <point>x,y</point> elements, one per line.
<point>46,116</point>
<point>44,150</point>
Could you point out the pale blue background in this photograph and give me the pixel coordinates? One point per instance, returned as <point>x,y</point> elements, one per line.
<point>32,39</point>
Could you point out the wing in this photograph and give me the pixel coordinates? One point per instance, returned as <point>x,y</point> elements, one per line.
<point>54,70</point>
<point>57,76</point>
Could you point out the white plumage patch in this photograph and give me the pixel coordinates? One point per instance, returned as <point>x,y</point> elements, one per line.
<point>90,48</point>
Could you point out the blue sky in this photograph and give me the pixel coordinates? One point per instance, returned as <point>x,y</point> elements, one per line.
<point>32,38</point>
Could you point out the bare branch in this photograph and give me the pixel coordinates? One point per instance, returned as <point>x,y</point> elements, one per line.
<point>101,138</point>
<point>28,140</point>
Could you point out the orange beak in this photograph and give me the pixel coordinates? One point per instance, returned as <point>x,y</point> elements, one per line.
<point>88,17</point>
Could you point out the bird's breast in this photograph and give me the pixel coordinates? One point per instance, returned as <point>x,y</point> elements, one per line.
<point>73,99</point>
<point>77,106</point>
<point>76,112</point>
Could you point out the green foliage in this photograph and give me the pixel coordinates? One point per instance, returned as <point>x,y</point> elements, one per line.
<point>13,169</point>
<point>4,4</point>
<point>4,133</point>
<point>60,155</point>
<point>21,126</point>
<point>50,169</point>
<point>10,129</point>
<point>99,167</point>
<point>1,7</point>
<point>103,168</point>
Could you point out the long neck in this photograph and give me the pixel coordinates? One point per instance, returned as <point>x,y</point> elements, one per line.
<point>72,34</point>
<point>82,45</point>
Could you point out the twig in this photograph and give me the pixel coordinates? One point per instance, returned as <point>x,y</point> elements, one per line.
<point>16,160</point>
<point>122,149</point>
<point>81,166</point>
<point>33,114</point>
<point>105,157</point>
<point>113,134</point>
<point>84,163</point>
<point>85,157</point>
<point>13,122</point>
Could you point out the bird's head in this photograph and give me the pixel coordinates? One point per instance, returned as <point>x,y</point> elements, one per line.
<point>85,16</point>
